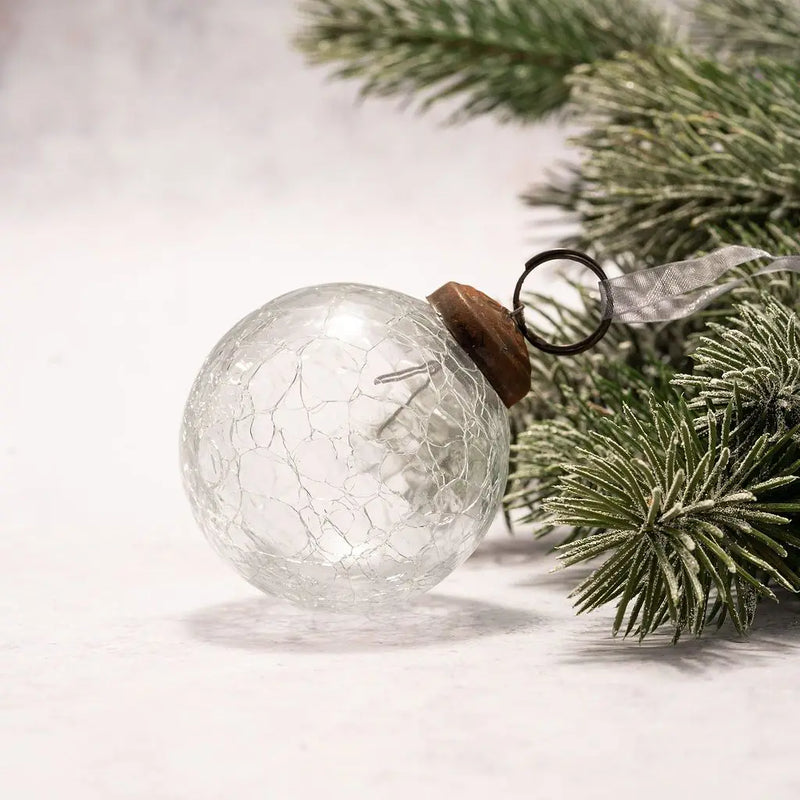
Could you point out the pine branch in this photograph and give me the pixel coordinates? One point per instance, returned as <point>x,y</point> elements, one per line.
<point>778,238</point>
<point>688,527</point>
<point>752,365</point>
<point>680,151</point>
<point>696,514</point>
<point>746,28</point>
<point>588,405</point>
<point>510,58</point>
<point>574,396</point>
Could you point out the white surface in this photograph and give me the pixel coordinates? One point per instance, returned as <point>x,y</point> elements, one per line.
<point>166,167</point>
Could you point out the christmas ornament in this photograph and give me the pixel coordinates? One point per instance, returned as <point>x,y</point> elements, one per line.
<point>346,447</point>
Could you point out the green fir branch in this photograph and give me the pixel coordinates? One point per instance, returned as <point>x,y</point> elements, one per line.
<point>510,58</point>
<point>688,526</point>
<point>588,405</point>
<point>693,503</point>
<point>747,28</point>
<point>679,151</point>
<point>752,365</point>
<point>573,396</point>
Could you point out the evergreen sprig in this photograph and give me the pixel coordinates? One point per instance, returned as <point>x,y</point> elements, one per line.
<point>694,503</point>
<point>586,406</point>
<point>748,28</point>
<point>679,151</point>
<point>751,364</point>
<point>689,523</point>
<point>510,58</point>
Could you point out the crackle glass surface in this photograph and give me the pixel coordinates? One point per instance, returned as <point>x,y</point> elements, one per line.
<point>340,449</point>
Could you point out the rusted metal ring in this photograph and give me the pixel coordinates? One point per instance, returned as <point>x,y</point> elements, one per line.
<point>606,311</point>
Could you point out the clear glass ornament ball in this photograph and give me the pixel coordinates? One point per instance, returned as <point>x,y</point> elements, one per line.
<point>341,450</point>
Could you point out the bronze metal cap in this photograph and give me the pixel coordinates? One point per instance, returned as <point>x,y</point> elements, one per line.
<point>490,337</point>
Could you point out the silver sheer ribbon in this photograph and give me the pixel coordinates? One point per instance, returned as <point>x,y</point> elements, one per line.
<point>681,288</point>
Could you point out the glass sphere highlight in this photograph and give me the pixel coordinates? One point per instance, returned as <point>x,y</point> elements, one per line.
<point>341,450</point>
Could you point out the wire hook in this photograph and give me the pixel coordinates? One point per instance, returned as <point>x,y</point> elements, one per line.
<point>518,311</point>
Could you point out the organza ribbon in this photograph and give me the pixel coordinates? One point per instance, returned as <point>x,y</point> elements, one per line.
<point>681,288</point>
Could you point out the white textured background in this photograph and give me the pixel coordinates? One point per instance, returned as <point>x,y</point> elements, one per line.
<point>165,167</point>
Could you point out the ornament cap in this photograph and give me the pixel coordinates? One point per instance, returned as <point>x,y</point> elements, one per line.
<point>487,332</point>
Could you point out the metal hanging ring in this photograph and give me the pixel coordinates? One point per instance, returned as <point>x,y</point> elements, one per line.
<point>518,314</point>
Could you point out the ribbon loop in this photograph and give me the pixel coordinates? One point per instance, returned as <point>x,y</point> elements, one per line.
<point>681,288</point>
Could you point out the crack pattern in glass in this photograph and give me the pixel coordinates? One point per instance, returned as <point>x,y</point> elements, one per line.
<point>341,450</point>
